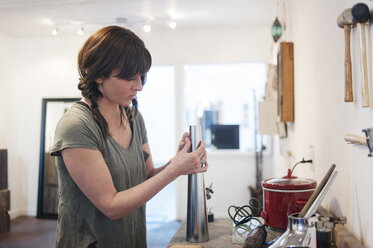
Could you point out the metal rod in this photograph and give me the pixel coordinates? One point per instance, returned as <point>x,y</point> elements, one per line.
<point>317,191</point>
<point>315,205</point>
<point>197,228</point>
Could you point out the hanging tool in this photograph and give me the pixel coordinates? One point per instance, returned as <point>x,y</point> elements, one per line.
<point>355,139</point>
<point>344,21</point>
<point>360,15</point>
<point>369,140</point>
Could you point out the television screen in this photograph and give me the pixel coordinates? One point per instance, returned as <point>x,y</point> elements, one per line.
<point>225,136</point>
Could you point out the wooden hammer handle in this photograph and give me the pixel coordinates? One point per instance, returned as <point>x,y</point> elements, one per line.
<point>348,71</point>
<point>355,139</point>
<point>363,66</point>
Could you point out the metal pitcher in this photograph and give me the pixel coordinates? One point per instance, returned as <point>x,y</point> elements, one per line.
<point>299,233</point>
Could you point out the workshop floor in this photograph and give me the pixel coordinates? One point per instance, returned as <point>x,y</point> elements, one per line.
<point>30,232</point>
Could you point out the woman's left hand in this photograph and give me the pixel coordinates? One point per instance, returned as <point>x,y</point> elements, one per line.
<point>183,142</point>
<point>186,138</point>
<point>186,162</point>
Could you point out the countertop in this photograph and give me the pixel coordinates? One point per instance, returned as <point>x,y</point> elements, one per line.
<point>220,236</point>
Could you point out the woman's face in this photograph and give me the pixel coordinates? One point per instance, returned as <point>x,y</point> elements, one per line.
<point>119,91</point>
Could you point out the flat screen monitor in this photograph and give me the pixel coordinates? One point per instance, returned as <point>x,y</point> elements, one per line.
<point>225,136</point>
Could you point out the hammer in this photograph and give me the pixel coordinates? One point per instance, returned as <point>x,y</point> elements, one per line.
<point>344,21</point>
<point>360,15</point>
<point>368,133</point>
<point>355,139</point>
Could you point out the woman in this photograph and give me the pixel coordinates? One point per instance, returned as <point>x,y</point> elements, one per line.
<point>104,164</point>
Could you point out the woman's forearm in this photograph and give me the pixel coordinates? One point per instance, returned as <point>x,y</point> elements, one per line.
<point>88,169</point>
<point>155,171</point>
<point>124,202</point>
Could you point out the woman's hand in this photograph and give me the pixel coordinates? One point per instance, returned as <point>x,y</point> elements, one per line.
<point>182,142</point>
<point>185,163</point>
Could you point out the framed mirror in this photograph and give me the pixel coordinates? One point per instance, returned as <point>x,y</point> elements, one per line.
<point>52,110</point>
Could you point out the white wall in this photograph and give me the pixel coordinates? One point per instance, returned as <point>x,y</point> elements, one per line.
<point>42,67</point>
<point>322,118</point>
<point>7,111</point>
<point>209,46</point>
<point>5,87</point>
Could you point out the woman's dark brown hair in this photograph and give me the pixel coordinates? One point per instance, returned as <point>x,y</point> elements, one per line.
<point>108,49</point>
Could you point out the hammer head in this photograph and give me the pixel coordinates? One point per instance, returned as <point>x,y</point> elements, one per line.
<point>360,13</point>
<point>369,135</point>
<point>345,18</point>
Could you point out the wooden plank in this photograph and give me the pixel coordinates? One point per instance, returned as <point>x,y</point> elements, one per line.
<point>344,239</point>
<point>220,235</point>
<point>4,200</point>
<point>286,81</point>
<point>3,169</point>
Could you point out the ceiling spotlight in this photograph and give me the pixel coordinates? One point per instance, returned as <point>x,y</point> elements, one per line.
<point>147,28</point>
<point>172,24</point>
<point>55,31</point>
<point>80,31</point>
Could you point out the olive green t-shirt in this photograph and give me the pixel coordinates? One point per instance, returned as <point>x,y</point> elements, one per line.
<point>80,223</point>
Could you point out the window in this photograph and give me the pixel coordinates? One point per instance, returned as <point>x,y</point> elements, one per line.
<point>157,104</point>
<point>225,94</point>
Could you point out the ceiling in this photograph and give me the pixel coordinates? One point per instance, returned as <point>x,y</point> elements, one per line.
<point>39,17</point>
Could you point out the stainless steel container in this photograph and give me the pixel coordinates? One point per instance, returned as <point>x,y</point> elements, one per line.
<point>197,228</point>
<point>297,234</point>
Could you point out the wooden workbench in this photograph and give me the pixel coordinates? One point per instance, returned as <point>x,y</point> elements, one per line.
<point>220,236</point>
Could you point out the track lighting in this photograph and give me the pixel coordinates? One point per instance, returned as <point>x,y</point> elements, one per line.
<point>147,28</point>
<point>55,31</point>
<point>61,29</point>
<point>80,31</point>
<point>172,24</point>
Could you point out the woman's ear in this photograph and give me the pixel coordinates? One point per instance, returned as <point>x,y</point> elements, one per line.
<point>100,80</point>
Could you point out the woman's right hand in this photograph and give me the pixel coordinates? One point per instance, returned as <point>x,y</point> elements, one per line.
<point>185,163</point>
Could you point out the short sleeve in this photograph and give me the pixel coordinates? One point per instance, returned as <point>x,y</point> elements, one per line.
<point>72,131</point>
